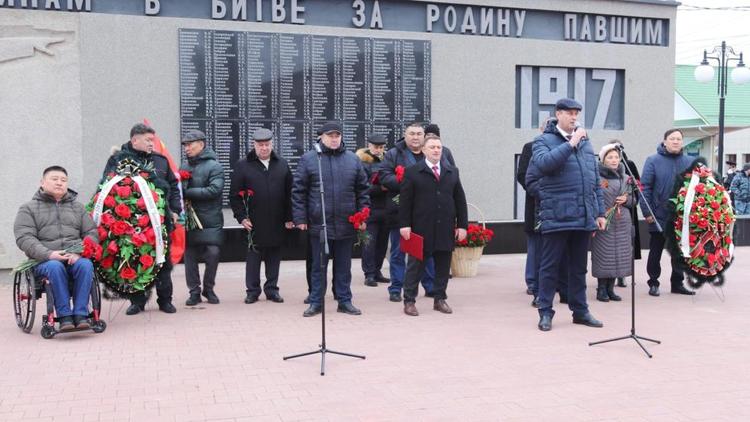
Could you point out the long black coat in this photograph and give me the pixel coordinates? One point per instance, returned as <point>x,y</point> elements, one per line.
<point>433,209</point>
<point>204,190</point>
<point>345,185</point>
<point>270,206</point>
<point>530,205</point>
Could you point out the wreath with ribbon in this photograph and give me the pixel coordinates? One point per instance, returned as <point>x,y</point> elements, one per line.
<point>700,228</point>
<point>129,211</point>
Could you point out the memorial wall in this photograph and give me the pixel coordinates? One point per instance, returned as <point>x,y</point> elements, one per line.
<point>76,75</point>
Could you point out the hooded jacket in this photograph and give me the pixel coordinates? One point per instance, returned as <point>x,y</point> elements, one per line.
<point>204,190</point>
<point>44,225</point>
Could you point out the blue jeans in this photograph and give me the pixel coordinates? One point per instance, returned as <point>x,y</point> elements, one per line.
<point>397,264</point>
<point>341,252</point>
<point>59,274</point>
<point>533,253</point>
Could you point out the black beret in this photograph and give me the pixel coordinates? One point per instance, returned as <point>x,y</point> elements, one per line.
<point>330,127</point>
<point>568,104</point>
<point>432,128</point>
<point>376,139</point>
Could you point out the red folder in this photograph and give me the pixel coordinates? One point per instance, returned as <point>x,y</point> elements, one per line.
<point>414,246</point>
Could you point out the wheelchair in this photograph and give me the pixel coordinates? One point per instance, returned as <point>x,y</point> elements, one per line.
<point>27,289</point>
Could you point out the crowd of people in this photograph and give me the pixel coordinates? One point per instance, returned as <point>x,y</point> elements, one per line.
<point>576,202</point>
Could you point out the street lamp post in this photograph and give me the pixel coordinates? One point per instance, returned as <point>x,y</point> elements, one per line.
<point>724,55</point>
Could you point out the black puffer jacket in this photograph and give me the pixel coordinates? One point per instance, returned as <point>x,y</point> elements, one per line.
<point>345,185</point>
<point>204,190</point>
<point>165,178</point>
<point>378,196</point>
<point>271,203</point>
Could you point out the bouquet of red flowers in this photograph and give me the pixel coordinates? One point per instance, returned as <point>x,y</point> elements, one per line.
<point>192,222</point>
<point>399,171</point>
<point>129,212</point>
<point>247,196</point>
<point>476,236</point>
<point>358,220</point>
<point>87,248</point>
<point>701,225</point>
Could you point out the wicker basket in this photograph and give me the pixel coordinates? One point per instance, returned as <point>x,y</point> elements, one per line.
<point>465,260</point>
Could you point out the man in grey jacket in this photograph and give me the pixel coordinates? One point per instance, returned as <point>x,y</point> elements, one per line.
<point>44,228</point>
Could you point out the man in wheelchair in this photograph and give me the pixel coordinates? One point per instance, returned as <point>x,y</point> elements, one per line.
<point>44,228</point>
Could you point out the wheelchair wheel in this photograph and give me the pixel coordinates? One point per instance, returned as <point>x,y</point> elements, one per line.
<point>99,326</point>
<point>24,300</point>
<point>48,332</point>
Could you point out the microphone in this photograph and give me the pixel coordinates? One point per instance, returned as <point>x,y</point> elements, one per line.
<point>317,148</point>
<point>579,125</point>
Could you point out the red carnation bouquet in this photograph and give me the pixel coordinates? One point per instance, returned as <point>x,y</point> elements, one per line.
<point>192,222</point>
<point>130,213</point>
<point>476,236</point>
<point>247,196</point>
<point>358,220</point>
<point>702,225</point>
<point>399,171</point>
<point>87,248</point>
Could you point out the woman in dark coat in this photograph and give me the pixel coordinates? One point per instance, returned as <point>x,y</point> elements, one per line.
<point>612,249</point>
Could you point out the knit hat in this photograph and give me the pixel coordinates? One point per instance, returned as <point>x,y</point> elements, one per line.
<point>606,149</point>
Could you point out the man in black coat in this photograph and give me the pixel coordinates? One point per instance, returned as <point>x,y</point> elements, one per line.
<point>202,192</point>
<point>373,253</point>
<point>269,179</point>
<point>345,184</point>
<point>432,205</point>
<point>140,148</point>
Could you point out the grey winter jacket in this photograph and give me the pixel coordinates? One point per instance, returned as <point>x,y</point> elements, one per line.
<point>44,225</point>
<point>204,191</point>
<point>346,186</point>
<point>612,249</point>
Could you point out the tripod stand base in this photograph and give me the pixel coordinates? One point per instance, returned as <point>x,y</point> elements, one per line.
<point>323,352</point>
<point>635,337</point>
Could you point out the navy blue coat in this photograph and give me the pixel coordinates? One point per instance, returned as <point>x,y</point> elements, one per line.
<point>565,182</point>
<point>346,186</point>
<point>658,182</point>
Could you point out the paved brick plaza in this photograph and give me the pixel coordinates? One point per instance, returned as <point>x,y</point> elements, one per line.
<point>485,362</point>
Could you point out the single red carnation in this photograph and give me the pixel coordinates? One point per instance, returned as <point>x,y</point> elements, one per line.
<point>107,262</point>
<point>123,211</point>
<point>123,191</point>
<point>185,175</point>
<point>102,232</point>
<point>107,219</point>
<point>138,239</point>
<point>112,248</point>
<point>120,228</point>
<point>110,202</point>
<point>146,261</point>
<point>127,273</point>
<point>126,181</point>
<point>141,204</point>
<point>143,220</point>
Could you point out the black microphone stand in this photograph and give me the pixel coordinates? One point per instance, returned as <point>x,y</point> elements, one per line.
<point>632,334</point>
<point>324,252</point>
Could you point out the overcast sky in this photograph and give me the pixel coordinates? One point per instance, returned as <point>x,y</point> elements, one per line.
<point>703,29</point>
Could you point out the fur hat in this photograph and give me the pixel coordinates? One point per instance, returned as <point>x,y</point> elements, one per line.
<point>606,149</point>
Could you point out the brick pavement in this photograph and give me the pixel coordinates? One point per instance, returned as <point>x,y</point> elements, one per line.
<point>486,362</point>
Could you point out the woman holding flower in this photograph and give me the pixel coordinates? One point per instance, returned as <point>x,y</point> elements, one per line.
<point>612,248</point>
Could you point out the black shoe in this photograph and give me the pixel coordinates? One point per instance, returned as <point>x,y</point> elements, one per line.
<point>307,300</point>
<point>66,323</point>
<point>395,297</point>
<point>681,290</point>
<point>135,308</point>
<point>312,310</point>
<point>381,279</point>
<point>611,291</point>
<point>249,298</point>
<point>81,322</point>
<point>588,320</point>
<point>194,299</point>
<point>535,302</point>
<point>167,308</point>
<point>529,292</point>
<point>275,298</point>
<point>621,282</point>
<point>348,308</point>
<point>211,297</point>
<point>653,290</point>
<point>370,281</point>
<point>429,294</point>
<point>545,322</point>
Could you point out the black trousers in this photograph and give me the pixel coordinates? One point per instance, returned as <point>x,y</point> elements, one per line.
<point>163,286</point>
<point>653,265</point>
<point>373,253</point>
<point>415,273</point>
<point>210,254</point>
<point>271,256</point>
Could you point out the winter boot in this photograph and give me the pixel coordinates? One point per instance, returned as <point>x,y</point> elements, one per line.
<point>601,290</point>
<point>611,290</point>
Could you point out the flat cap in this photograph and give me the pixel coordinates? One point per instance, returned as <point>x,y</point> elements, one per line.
<point>432,128</point>
<point>568,104</point>
<point>377,139</point>
<point>193,135</point>
<point>330,127</point>
<point>262,134</point>
<point>732,163</point>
